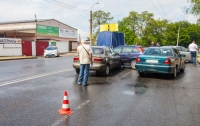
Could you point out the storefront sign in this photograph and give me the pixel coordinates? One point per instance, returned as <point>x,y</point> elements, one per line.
<point>47,30</point>
<point>67,33</point>
<point>10,41</point>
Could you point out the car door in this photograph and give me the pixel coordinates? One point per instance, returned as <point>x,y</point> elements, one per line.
<point>126,54</point>
<point>186,52</point>
<point>177,58</point>
<point>115,57</point>
<point>109,58</point>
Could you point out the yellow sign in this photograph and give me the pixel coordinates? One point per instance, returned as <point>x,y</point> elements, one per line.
<point>103,27</point>
<point>113,27</point>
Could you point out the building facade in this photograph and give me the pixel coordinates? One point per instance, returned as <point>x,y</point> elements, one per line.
<point>30,38</point>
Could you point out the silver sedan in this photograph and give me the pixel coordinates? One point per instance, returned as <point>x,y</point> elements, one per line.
<point>104,59</point>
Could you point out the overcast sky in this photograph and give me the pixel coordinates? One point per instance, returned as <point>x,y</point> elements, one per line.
<point>76,12</point>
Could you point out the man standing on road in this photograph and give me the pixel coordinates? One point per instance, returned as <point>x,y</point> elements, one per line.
<point>85,57</point>
<point>193,52</point>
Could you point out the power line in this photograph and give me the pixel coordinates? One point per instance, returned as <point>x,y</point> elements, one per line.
<point>156,8</point>
<point>162,8</point>
<point>70,5</point>
<point>66,6</point>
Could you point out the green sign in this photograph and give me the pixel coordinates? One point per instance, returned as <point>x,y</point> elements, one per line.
<point>47,30</point>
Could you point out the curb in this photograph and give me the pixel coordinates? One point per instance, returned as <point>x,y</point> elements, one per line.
<point>16,58</point>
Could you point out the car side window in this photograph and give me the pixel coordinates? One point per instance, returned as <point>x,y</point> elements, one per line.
<point>108,52</point>
<point>184,49</point>
<point>135,50</point>
<point>127,50</point>
<point>176,52</point>
<point>117,49</point>
<point>179,48</point>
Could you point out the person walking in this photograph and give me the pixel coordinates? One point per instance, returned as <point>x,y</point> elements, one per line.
<point>193,52</point>
<point>85,57</point>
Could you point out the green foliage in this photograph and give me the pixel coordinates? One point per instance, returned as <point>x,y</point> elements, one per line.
<point>194,8</point>
<point>144,29</point>
<point>100,17</point>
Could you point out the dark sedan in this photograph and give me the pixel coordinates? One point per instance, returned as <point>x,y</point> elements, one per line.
<point>128,54</point>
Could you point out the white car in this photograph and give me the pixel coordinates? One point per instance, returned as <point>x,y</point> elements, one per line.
<point>51,51</point>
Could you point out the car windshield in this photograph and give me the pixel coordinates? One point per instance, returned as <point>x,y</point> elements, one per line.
<point>159,51</point>
<point>97,50</point>
<point>50,48</point>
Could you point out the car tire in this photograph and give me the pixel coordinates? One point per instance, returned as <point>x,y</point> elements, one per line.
<point>58,55</point>
<point>107,70</point>
<point>141,73</point>
<point>133,62</point>
<point>183,68</point>
<point>175,73</point>
<point>77,71</point>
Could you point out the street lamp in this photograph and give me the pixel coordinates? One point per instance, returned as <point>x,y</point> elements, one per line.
<point>91,23</point>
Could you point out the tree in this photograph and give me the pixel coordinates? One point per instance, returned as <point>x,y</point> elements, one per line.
<point>100,17</point>
<point>130,36</point>
<point>194,8</point>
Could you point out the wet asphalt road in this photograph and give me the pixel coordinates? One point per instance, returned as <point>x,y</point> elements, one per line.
<point>31,93</point>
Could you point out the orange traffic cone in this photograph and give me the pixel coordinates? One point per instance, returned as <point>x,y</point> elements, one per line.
<point>65,106</point>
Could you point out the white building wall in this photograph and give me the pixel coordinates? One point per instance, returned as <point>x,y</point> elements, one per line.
<point>10,49</point>
<point>63,47</point>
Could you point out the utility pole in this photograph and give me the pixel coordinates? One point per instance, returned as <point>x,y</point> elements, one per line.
<point>91,24</point>
<point>91,27</point>
<point>178,35</point>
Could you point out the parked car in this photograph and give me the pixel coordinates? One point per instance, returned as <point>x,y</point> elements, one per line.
<point>166,60</point>
<point>51,51</point>
<point>104,59</point>
<point>128,54</point>
<point>182,50</point>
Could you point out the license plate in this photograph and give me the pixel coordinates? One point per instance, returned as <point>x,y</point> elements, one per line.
<point>152,61</point>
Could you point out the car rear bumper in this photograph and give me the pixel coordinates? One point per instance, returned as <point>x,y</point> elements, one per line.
<point>155,68</point>
<point>95,67</point>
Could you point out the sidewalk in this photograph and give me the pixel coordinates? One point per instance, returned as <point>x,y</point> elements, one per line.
<point>2,58</point>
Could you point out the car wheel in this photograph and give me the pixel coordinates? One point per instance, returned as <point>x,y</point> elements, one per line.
<point>58,55</point>
<point>141,73</point>
<point>133,62</point>
<point>107,70</point>
<point>175,73</point>
<point>77,71</point>
<point>183,68</point>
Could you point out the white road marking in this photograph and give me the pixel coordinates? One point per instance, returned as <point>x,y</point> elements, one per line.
<point>57,123</point>
<point>83,104</point>
<point>126,74</point>
<point>32,77</point>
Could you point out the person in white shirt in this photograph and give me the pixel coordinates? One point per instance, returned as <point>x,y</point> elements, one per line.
<point>193,52</point>
<point>85,57</point>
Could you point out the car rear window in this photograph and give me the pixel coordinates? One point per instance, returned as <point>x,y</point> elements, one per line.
<point>159,51</point>
<point>98,50</point>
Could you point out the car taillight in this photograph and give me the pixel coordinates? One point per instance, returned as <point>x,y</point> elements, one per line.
<point>168,61</point>
<point>141,50</point>
<point>138,59</point>
<point>98,59</point>
<point>76,58</point>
